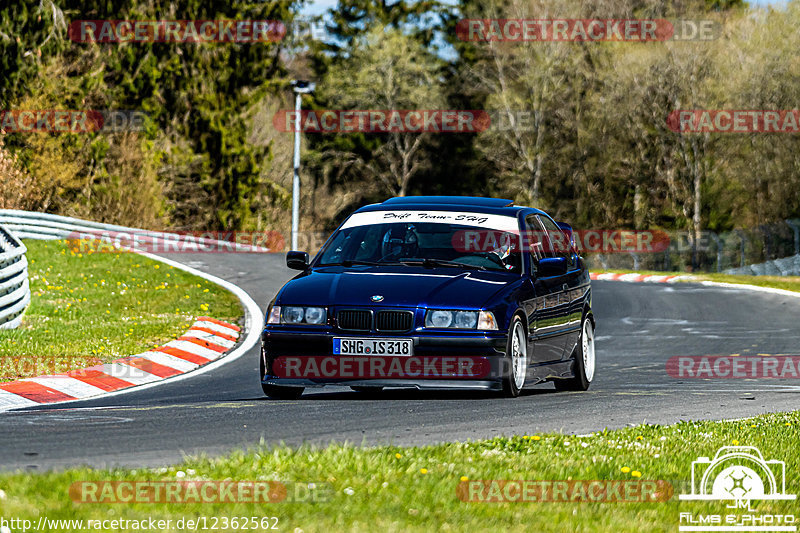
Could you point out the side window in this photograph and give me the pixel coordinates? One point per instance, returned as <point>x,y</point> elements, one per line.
<point>558,243</point>
<point>532,241</point>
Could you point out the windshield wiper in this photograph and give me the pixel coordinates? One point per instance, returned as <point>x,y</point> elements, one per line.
<point>351,262</point>
<point>430,263</point>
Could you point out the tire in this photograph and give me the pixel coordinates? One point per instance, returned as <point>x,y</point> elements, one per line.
<point>275,391</point>
<point>278,392</point>
<point>516,359</point>
<point>367,389</point>
<point>584,356</point>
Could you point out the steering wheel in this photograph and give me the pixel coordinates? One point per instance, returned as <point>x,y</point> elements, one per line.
<point>494,257</point>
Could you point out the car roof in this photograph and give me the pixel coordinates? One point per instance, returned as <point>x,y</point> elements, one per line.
<point>440,203</point>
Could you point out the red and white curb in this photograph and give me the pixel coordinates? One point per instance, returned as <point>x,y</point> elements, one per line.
<point>206,340</point>
<point>639,278</point>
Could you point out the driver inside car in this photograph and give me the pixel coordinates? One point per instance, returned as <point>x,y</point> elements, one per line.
<point>502,250</point>
<point>400,242</point>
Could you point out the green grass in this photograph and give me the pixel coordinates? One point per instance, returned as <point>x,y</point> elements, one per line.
<point>89,308</point>
<point>789,283</point>
<point>389,488</point>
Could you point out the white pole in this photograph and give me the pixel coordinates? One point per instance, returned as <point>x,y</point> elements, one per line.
<point>296,180</point>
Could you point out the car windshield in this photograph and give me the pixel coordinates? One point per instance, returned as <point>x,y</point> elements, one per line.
<point>429,244</point>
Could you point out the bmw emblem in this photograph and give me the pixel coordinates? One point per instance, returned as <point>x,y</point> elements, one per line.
<point>376,298</point>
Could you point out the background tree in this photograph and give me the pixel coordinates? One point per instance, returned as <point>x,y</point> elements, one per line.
<point>388,71</point>
<point>198,98</point>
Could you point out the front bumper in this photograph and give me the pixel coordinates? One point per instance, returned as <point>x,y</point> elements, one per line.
<point>449,361</point>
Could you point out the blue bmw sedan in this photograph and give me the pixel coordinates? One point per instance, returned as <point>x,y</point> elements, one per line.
<point>434,292</point>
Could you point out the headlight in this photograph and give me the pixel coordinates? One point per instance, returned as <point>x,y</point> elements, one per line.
<point>293,315</point>
<point>439,319</point>
<point>465,319</point>
<point>296,314</point>
<point>483,320</point>
<point>315,315</point>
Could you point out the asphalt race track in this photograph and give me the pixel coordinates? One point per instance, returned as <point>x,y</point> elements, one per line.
<point>640,325</point>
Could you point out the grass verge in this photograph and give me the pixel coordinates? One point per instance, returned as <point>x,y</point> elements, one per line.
<point>389,488</point>
<point>789,283</point>
<point>96,307</point>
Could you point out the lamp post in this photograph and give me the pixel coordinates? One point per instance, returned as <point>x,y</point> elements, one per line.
<point>299,87</point>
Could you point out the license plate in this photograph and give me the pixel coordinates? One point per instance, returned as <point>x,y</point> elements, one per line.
<point>354,346</point>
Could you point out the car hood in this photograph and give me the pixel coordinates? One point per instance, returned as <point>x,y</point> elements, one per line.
<point>400,287</point>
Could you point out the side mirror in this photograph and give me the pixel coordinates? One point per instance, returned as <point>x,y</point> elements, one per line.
<point>568,232</point>
<point>297,260</point>
<point>552,266</point>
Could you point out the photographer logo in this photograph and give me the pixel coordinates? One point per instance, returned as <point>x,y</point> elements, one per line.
<point>738,475</point>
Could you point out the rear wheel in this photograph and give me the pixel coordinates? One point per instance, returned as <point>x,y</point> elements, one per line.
<point>516,360</point>
<point>584,360</point>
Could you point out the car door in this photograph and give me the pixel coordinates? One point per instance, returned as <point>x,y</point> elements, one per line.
<point>571,291</point>
<point>548,309</point>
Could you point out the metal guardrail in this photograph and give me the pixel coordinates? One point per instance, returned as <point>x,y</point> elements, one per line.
<point>770,249</point>
<point>44,226</point>
<point>15,294</point>
<point>15,225</point>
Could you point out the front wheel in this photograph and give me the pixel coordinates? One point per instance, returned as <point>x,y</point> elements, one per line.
<point>516,360</point>
<point>584,361</point>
